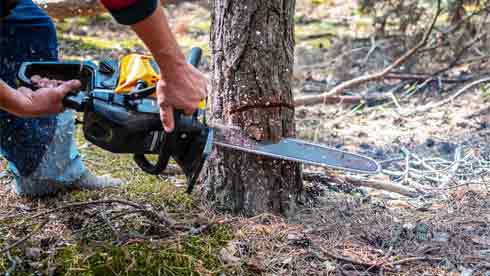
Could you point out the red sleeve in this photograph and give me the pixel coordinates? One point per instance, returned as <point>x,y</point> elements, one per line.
<point>129,12</point>
<point>118,4</point>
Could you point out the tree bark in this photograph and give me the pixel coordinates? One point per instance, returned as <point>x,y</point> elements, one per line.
<point>61,9</point>
<point>253,53</point>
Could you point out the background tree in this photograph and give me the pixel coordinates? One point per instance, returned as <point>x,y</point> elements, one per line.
<point>253,52</point>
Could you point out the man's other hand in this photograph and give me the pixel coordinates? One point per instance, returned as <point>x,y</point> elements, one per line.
<point>44,101</point>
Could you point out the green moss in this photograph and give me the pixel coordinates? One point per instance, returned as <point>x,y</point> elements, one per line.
<point>152,190</point>
<point>191,256</point>
<point>3,262</point>
<point>485,92</point>
<point>205,247</point>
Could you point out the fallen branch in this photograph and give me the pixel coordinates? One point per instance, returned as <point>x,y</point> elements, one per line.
<point>424,77</point>
<point>317,36</point>
<point>376,76</point>
<point>348,100</point>
<point>344,180</point>
<point>460,54</point>
<point>415,259</point>
<point>100,202</point>
<point>349,260</point>
<point>380,185</point>
<point>453,97</point>
<point>17,243</point>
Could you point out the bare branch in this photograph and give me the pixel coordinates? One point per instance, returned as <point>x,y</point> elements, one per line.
<point>17,243</point>
<point>376,76</point>
<point>454,96</point>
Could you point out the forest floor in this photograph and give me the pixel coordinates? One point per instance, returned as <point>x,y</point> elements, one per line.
<point>439,153</point>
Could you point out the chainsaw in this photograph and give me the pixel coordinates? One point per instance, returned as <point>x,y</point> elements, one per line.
<point>121,115</point>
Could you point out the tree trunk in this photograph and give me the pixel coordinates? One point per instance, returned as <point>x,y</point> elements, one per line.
<point>253,53</point>
<point>61,9</point>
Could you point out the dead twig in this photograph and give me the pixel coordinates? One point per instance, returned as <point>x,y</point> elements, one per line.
<point>424,77</point>
<point>460,92</point>
<point>415,259</point>
<point>17,243</point>
<point>374,46</point>
<point>317,36</point>
<point>379,185</point>
<point>143,210</point>
<point>355,99</point>
<point>349,260</point>
<point>13,265</point>
<point>459,55</point>
<point>376,76</point>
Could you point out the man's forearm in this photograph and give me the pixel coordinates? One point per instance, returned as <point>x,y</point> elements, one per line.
<point>155,32</point>
<point>182,86</point>
<point>148,20</point>
<point>8,98</point>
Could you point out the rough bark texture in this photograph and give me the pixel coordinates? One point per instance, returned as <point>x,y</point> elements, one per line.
<point>253,52</point>
<point>61,9</point>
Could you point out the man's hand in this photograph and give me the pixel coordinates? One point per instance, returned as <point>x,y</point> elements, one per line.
<point>45,82</point>
<point>182,86</point>
<point>184,89</point>
<point>44,101</point>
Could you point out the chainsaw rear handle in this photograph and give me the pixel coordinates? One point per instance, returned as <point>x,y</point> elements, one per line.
<point>67,70</point>
<point>182,123</point>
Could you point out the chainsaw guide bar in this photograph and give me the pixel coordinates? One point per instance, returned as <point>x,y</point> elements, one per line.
<point>296,150</point>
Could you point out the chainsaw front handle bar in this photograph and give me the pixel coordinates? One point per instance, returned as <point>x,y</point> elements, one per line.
<point>140,159</point>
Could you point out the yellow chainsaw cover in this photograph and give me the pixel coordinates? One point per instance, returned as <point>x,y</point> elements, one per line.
<point>135,67</point>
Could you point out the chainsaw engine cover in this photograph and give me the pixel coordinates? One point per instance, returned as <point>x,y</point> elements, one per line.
<point>121,130</point>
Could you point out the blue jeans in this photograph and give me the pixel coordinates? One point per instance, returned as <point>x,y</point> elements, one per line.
<point>41,151</point>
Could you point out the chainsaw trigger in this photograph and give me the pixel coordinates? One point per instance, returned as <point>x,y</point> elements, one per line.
<point>142,93</point>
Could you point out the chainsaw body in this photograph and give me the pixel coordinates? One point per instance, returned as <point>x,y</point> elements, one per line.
<point>121,114</point>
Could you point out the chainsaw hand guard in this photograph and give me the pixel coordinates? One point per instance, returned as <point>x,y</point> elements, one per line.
<point>126,121</point>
